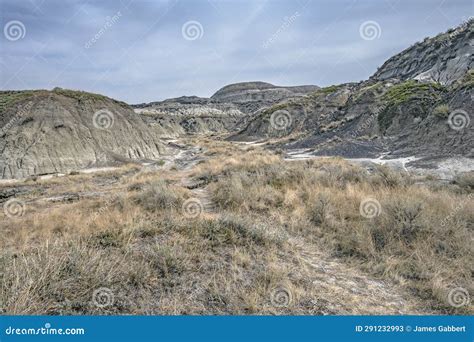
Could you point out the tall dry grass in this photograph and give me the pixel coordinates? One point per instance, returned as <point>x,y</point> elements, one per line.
<point>134,248</point>
<point>420,238</point>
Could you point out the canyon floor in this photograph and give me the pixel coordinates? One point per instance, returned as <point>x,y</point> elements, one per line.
<point>217,227</point>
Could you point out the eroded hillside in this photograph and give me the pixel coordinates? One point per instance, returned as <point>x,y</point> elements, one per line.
<point>62,130</point>
<point>396,112</point>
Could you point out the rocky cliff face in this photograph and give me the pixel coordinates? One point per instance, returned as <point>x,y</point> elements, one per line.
<point>443,59</point>
<point>58,131</point>
<point>398,110</point>
<point>228,110</point>
<point>252,96</point>
<point>190,115</point>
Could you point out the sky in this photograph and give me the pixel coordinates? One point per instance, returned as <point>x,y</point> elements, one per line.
<point>143,50</point>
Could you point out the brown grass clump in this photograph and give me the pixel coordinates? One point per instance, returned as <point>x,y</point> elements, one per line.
<point>160,196</point>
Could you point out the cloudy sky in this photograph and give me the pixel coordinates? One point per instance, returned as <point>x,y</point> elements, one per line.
<point>144,50</point>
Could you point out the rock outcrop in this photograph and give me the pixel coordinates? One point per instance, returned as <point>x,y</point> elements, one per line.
<point>443,59</point>
<point>252,96</point>
<point>190,115</point>
<point>228,110</point>
<point>419,102</point>
<point>395,112</point>
<point>58,131</point>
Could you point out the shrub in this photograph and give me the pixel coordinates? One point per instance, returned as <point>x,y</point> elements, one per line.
<point>386,176</point>
<point>318,210</point>
<point>441,111</point>
<point>159,196</point>
<point>465,180</point>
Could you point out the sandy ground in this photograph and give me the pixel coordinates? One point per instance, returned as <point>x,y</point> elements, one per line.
<point>444,169</point>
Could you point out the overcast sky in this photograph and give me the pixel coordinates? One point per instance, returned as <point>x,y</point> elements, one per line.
<point>144,50</point>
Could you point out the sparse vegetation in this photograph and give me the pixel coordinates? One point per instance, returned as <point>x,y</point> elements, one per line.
<point>9,98</point>
<point>407,90</point>
<point>410,96</point>
<point>407,243</point>
<point>329,89</point>
<point>441,111</point>
<point>136,241</point>
<point>80,95</point>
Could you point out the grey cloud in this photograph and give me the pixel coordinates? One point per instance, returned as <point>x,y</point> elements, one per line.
<point>142,56</point>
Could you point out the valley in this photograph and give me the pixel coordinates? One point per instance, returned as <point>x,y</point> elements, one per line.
<point>226,228</point>
<point>351,199</point>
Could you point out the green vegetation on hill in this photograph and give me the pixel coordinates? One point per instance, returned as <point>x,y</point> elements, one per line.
<point>410,89</point>
<point>410,96</point>
<point>328,90</point>
<point>9,98</point>
<point>84,96</point>
<point>373,88</point>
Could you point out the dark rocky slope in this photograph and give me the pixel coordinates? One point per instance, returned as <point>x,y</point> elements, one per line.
<point>444,59</point>
<point>396,111</point>
<point>61,130</point>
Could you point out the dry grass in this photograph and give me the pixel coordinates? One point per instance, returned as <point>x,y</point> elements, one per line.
<point>138,244</point>
<point>136,241</point>
<point>422,238</point>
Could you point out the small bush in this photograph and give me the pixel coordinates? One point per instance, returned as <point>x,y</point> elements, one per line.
<point>386,176</point>
<point>404,219</point>
<point>106,239</point>
<point>441,111</point>
<point>317,210</point>
<point>166,260</point>
<point>159,196</point>
<point>465,180</point>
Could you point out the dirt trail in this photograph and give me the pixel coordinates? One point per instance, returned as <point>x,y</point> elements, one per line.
<point>346,290</point>
<point>340,289</point>
<point>184,161</point>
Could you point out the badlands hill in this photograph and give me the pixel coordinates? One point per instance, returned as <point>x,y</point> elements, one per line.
<point>62,130</point>
<point>252,96</point>
<point>418,103</point>
<point>228,110</point>
<point>190,115</point>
